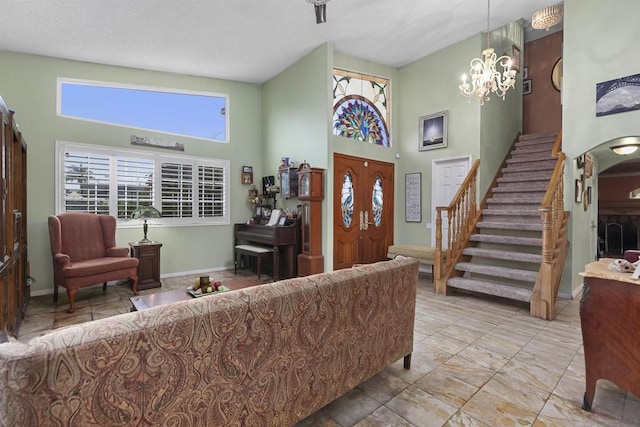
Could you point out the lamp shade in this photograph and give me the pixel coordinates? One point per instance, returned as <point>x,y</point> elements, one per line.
<point>145,212</point>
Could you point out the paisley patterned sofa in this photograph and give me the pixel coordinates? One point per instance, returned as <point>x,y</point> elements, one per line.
<point>267,355</point>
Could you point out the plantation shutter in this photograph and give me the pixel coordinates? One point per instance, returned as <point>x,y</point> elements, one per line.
<point>135,184</point>
<point>210,191</point>
<point>177,190</point>
<point>86,182</point>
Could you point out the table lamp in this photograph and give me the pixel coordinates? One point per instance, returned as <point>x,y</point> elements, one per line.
<point>145,212</point>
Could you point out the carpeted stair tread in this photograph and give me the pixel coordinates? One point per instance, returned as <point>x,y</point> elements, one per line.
<point>522,186</point>
<point>504,272</point>
<point>500,254</point>
<point>511,212</point>
<point>526,149</point>
<point>513,216</point>
<point>539,135</point>
<point>525,177</point>
<point>533,166</point>
<point>510,240</point>
<point>536,226</point>
<point>490,288</point>
<point>530,157</point>
<point>519,164</point>
<point>533,194</point>
<point>535,143</point>
<point>523,202</point>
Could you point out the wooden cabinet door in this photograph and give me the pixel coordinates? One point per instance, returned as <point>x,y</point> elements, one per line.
<point>363,210</point>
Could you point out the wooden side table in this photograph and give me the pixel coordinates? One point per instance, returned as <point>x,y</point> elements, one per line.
<point>148,255</point>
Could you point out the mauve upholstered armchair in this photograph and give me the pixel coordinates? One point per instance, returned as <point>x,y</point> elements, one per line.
<point>83,246</point>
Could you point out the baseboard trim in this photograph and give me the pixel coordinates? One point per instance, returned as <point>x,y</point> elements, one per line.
<point>577,291</point>
<point>162,276</point>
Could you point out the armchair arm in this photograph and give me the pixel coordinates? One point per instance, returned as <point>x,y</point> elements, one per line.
<point>117,252</point>
<point>62,259</point>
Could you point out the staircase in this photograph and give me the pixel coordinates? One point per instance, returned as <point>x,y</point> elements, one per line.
<point>503,253</point>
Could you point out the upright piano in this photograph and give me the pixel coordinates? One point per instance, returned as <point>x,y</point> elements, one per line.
<point>284,239</point>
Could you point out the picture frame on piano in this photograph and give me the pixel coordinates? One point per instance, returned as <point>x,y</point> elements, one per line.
<point>283,220</point>
<point>274,218</point>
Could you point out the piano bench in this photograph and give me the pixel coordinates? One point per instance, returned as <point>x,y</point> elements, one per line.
<point>257,252</point>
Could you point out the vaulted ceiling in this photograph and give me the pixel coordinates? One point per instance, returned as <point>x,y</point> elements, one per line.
<point>244,40</point>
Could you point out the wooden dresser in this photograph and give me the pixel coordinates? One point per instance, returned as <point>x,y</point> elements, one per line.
<point>14,268</point>
<point>610,319</point>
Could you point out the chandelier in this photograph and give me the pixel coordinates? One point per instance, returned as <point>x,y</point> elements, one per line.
<point>321,10</point>
<point>547,17</point>
<point>484,76</point>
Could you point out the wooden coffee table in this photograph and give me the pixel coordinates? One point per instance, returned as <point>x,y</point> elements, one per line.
<point>142,302</point>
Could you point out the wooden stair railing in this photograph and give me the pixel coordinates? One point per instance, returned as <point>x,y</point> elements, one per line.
<point>462,216</point>
<point>554,241</point>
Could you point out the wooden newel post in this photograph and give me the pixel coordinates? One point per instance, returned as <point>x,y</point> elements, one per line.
<point>440,287</point>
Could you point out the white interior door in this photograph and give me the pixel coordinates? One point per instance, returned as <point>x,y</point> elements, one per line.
<point>447,176</point>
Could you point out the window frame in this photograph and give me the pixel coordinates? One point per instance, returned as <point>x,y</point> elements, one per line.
<point>63,80</point>
<point>113,153</point>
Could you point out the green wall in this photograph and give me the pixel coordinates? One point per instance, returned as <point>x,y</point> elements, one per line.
<point>28,86</point>
<point>600,44</point>
<point>428,86</point>
<point>296,120</point>
<point>294,105</point>
<point>501,119</point>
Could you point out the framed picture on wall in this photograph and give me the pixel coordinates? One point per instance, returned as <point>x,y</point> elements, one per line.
<point>247,174</point>
<point>433,131</point>
<point>515,58</point>
<point>526,87</point>
<point>578,191</point>
<point>413,197</point>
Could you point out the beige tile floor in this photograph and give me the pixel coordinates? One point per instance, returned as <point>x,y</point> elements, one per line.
<point>477,361</point>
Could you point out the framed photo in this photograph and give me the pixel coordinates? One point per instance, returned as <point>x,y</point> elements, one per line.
<point>247,174</point>
<point>413,197</point>
<point>556,75</point>
<point>525,73</point>
<point>588,165</point>
<point>614,96</point>
<point>515,58</point>
<point>283,220</point>
<point>526,87</point>
<point>580,161</point>
<point>433,131</point>
<point>578,191</point>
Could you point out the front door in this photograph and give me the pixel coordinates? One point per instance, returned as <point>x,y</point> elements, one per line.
<point>363,210</point>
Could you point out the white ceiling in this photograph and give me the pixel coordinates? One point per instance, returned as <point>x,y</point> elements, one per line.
<point>244,40</point>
